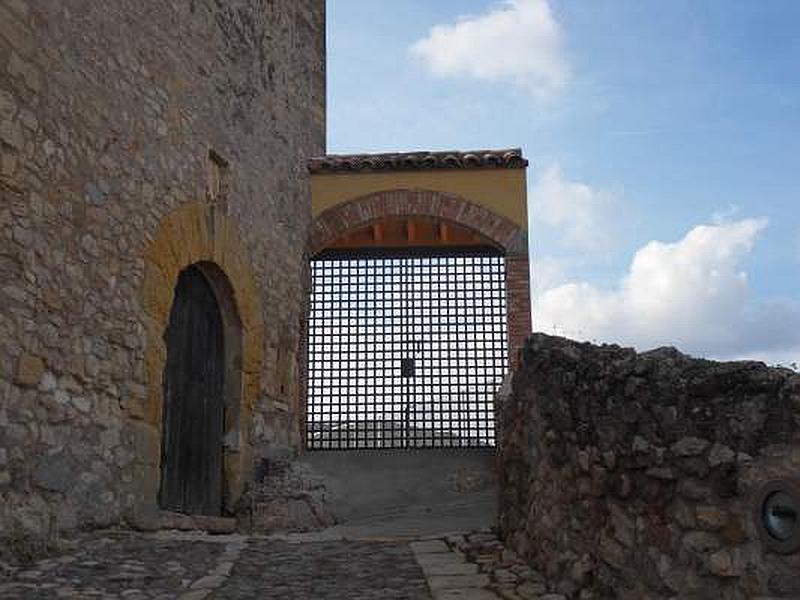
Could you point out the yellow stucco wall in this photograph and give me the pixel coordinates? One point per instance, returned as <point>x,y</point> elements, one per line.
<point>502,191</point>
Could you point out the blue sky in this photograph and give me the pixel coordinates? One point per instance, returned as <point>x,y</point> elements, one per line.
<point>664,140</point>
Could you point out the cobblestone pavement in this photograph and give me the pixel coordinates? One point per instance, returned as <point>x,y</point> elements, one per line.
<point>325,570</point>
<point>115,565</point>
<point>314,566</point>
<point>131,566</point>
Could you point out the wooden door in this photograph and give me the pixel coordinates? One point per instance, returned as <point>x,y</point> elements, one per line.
<point>193,418</point>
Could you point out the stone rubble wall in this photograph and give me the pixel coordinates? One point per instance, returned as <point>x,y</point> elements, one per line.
<point>107,113</point>
<point>287,496</point>
<point>628,475</point>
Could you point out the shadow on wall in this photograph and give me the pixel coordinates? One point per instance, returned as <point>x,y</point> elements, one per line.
<point>628,475</point>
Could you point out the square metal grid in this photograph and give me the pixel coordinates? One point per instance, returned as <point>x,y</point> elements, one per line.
<point>370,317</point>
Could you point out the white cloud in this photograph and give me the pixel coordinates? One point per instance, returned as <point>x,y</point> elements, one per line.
<point>692,293</point>
<point>726,214</point>
<point>575,208</point>
<point>549,272</point>
<point>517,41</point>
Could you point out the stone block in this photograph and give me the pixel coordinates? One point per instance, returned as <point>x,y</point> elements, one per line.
<point>29,72</point>
<point>726,563</point>
<point>700,541</point>
<point>531,590</point>
<point>29,370</point>
<point>623,525</point>
<point>612,552</point>
<point>720,455</point>
<point>270,516</point>
<point>689,446</point>
<point>711,517</point>
<point>146,443</point>
<point>146,481</point>
<point>8,106</point>
<point>12,29</point>
<point>57,473</point>
<point>694,489</point>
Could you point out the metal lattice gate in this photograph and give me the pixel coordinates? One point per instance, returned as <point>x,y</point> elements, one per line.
<point>405,352</point>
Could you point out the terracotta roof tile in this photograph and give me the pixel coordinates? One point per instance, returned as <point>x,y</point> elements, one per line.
<point>418,161</point>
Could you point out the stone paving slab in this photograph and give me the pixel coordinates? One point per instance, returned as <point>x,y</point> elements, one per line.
<point>449,568</point>
<point>443,582</point>
<point>429,547</point>
<point>429,560</point>
<point>449,575</point>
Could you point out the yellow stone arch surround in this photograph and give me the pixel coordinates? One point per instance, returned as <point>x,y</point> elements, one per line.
<point>199,234</point>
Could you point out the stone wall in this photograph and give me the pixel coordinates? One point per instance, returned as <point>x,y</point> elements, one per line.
<point>117,121</point>
<point>629,475</point>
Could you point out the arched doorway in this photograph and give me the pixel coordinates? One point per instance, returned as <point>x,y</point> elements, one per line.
<point>194,407</point>
<point>198,236</point>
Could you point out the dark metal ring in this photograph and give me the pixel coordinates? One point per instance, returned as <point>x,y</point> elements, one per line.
<point>777,515</point>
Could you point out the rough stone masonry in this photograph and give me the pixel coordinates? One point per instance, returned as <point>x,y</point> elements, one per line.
<point>137,138</point>
<point>629,475</point>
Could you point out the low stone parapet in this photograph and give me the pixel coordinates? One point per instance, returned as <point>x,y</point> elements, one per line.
<point>628,475</point>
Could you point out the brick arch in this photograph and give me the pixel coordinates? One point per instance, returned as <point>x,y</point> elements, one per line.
<point>338,220</point>
<point>197,234</point>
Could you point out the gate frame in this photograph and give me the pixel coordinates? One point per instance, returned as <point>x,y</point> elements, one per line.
<point>484,191</point>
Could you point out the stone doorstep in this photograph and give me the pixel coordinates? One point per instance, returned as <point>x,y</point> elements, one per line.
<point>157,520</point>
<point>218,525</point>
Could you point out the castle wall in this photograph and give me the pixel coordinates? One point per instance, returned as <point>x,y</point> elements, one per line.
<point>135,139</point>
<point>629,475</point>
